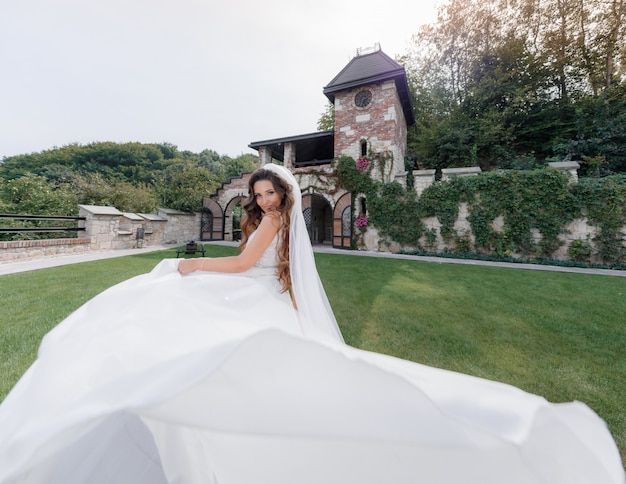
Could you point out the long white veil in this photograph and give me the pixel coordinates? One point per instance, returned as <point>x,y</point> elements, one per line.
<point>314,311</point>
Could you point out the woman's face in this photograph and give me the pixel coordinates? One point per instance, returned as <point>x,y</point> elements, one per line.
<point>266,196</point>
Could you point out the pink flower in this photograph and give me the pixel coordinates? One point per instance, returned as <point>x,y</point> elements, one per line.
<point>362,164</point>
<point>361,221</point>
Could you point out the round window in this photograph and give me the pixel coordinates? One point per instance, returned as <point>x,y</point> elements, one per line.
<point>363,98</point>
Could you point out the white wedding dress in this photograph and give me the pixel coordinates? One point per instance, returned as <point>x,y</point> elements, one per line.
<point>212,378</point>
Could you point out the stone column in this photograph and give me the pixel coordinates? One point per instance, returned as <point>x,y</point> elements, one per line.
<point>289,156</point>
<point>569,167</point>
<point>422,179</point>
<point>401,178</point>
<point>265,155</point>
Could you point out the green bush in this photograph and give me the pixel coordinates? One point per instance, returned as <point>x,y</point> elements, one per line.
<point>580,250</point>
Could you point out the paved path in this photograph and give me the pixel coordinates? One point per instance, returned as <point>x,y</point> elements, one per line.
<point>472,262</point>
<point>62,260</point>
<point>54,261</point>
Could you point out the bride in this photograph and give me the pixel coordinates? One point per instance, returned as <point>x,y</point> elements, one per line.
<point>233,370</point>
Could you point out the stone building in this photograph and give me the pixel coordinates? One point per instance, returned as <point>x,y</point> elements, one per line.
<point>372,112</point>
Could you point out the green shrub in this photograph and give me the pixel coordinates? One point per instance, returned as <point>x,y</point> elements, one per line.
<point>580,250</point>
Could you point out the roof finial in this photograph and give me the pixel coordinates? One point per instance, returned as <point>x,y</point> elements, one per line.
<point>368,50</point>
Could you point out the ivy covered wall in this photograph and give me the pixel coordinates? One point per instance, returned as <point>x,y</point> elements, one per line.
<point>521,214</point>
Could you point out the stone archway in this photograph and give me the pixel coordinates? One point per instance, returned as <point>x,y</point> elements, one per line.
<point>212,221</point>
<point>223,203</point>
<point>318,216</point>
<point>232,219</point>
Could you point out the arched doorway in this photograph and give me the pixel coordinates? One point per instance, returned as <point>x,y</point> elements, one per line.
<point>318,216</point>
<point>232,216</point>
<point>342,222</point>
<point>212,221</point>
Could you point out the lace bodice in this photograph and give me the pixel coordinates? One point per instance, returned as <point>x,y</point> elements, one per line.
<point>265,268</point>
<point>269,258</point>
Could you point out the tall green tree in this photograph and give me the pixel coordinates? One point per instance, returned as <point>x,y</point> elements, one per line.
<point>95,189</point>
<point>184,186</point>
<point>34,194</point>
<point>241,164</point>
<point>501,82</point>
<point>133,177</point>
<point>327,118</point>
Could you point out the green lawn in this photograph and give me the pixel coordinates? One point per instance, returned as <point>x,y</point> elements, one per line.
<point>559,335</point>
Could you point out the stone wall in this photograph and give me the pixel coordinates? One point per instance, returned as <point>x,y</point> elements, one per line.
<point>20,250</point>
<point>178,227</point>
<point>578,229</point>
<point>107,228</point>
<point>320,180</point>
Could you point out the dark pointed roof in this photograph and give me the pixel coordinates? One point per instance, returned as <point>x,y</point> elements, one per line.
<point>371,68</point>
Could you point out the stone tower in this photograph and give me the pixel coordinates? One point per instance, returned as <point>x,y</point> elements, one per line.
<point>372,112</point>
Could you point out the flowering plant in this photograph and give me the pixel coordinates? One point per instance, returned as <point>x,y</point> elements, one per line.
<point>362,163</point>
<point>361,220</point>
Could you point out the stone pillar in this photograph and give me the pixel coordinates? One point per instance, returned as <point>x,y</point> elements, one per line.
<point>101,224</point>
<point>568,167</point>
<point>422,179</point>
<point>401,178</point>
<point>265,155</point>
<point>289,156</point>
<point>448,173</point>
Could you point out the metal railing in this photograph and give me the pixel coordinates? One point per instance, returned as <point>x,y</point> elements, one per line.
<point>14,230</point>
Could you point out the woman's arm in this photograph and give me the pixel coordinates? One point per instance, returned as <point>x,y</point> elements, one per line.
<point>265,233</point>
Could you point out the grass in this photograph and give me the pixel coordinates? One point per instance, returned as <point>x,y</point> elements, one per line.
<point>559,335</point>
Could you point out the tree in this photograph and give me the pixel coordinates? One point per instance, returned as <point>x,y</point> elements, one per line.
<point>327,118</point>
<point>184,186</point>
<point>608,40</point>
<point>244,163</point>
<point>94,189</point>
<point>35,195</point>
<point>133,177</point>
<point>502,82</point>
<point>599,143</point>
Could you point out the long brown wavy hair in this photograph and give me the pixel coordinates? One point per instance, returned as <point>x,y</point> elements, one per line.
<point>253,215</point>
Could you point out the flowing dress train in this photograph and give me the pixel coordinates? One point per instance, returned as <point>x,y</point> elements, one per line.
<point>212,378</point>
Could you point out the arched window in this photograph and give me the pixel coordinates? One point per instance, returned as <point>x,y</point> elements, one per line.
<point>342,222</point>
<point>363,148</point>
<point>346,223</point>
<point>308,220</point>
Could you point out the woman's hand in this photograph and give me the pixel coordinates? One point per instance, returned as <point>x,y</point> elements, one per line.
<point>187,266</point>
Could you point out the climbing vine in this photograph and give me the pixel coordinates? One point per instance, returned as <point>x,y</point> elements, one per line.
<point>512,212</point>
<point>604,202</point>
<point>393,211</point>
<point>353,180</point>
<point>441,200</point>
<point>537,200</point>
<point>388,203</point>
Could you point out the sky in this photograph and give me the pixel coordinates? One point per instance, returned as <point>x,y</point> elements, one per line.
<point>199,74</point>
